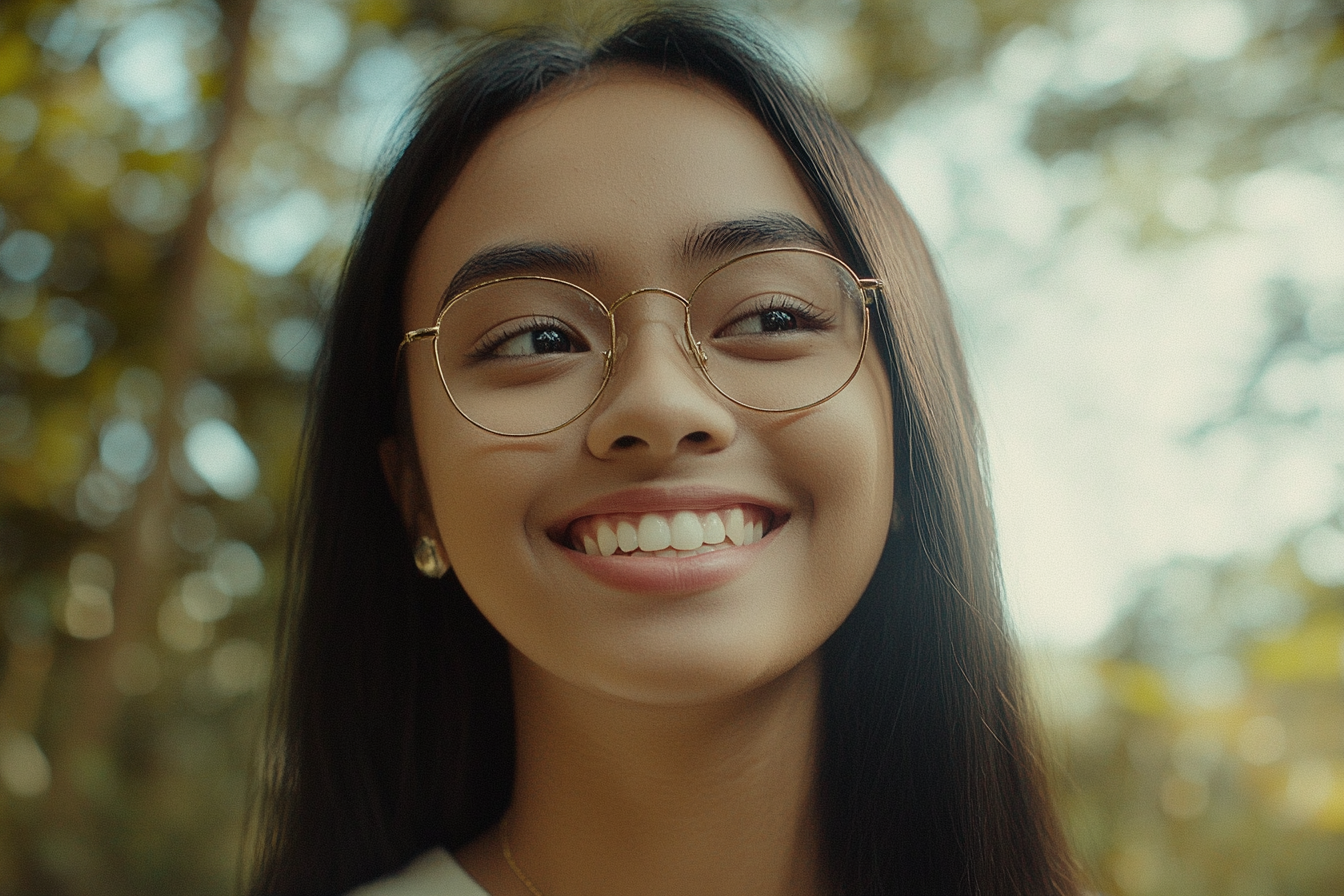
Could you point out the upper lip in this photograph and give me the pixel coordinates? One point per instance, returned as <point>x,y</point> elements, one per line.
<point>664,499</point>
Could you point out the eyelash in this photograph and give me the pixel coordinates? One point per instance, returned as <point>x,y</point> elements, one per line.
<point>808,317</point>
<point>485,350</point>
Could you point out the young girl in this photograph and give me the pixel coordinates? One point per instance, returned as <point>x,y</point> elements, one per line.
<point>644,547</point>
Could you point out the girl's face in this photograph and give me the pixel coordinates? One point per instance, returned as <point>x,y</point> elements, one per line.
<point>630,180</point>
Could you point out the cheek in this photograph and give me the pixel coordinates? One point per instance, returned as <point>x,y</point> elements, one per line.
<point>842,460</point>
<point>478,490</point>
<point>480,503</point>
<point>480,500</point>
<point>850,455</point>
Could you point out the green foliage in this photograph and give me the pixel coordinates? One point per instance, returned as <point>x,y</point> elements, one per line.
<point>1205,740</point>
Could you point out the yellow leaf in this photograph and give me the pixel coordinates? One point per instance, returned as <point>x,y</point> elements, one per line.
<point>1330,817</point>
<point>1137,687</point>
<point>1314,652</point>
<point>16,59</point>
<point>62,443</point>
<point>391,13</point>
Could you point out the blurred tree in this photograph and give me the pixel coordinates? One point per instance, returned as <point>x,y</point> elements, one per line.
<point>1205,736</point>
<point>1206,741</point>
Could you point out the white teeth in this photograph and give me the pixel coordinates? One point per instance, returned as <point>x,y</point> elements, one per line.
<point>627,537</point>
<point>655,533</point>
<point>606,539</point>
<point>687,533</point>
<point>735,525</point>
<point>713,524</point>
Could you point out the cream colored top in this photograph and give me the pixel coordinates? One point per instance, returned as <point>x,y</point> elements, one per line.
<point>432,873</point>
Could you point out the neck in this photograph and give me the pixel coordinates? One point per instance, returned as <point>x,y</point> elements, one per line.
<point>616,797</point>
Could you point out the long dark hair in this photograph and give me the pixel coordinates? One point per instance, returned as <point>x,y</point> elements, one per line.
<point>392,725</point>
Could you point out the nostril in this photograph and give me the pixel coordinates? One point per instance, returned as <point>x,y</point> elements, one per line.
<point>626,442</point>
<point>698,436</point>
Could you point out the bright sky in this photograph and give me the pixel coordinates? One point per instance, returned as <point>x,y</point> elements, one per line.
<point>1095,360</point>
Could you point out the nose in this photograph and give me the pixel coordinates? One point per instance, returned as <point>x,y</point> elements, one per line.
<point>657,403</point>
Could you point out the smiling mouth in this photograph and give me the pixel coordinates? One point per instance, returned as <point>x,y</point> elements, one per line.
<point>685,533</point>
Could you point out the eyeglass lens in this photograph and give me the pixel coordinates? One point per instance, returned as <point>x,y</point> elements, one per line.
<point>779,330</point>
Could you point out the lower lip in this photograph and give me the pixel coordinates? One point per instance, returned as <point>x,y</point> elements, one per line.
<point>669,575</point>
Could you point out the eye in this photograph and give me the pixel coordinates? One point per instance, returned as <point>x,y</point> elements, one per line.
<point>774,314</point>
<point>777,319</point>
<point>534,336</point>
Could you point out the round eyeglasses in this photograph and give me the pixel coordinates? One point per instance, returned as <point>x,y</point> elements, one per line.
<point>774,330</point>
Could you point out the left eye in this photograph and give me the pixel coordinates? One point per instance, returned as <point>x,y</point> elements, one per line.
<point>536,342</point>
<point>775,315</point>
<point>537,335</point>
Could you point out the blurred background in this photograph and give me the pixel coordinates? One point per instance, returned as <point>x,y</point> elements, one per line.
<point>1139,209</point>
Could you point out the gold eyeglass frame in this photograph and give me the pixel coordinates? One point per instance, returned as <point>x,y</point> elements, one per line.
<point>869,290</point>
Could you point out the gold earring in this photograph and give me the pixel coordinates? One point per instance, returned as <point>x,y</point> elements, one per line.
<point>428,559</point>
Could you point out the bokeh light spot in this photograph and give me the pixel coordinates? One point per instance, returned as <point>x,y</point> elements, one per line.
<point>295,343</point>
<point>1321,555</point>
<point>218,454</point>
<point>202,599</point>
<point>310,38</point>
<point>88,612</point>
<point>23,766</point>
<point>275,239</point>
<point>145,66</point>
<point>101,497</point>
<point>25,255</point>
<point>236,570</point>
<point>66,349</point>
<point>126,448</point>
<point>238,666</point>
<point>378,86</point>
<point>1211,29</point>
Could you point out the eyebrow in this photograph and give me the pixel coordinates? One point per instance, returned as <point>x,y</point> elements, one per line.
<point>761,231</point>
<point>711,241</point>
<point>520,258</point>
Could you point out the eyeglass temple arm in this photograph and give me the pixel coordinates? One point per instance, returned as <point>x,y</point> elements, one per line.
<point>417,335</point>
<point>870,287</point>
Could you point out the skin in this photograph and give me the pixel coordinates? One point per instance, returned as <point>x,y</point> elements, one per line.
<point>666,743</point>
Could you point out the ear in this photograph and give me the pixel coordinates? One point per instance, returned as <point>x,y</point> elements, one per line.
<point>401,469</point>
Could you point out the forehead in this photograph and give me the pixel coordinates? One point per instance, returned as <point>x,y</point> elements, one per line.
<point>624,165</point>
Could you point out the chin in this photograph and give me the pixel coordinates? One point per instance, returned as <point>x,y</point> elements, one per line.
<point>694,678</point>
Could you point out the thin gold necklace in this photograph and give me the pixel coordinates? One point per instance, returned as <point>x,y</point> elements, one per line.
<point>508,857</point>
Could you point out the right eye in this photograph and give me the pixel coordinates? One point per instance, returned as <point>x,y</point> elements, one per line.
<point>533,336</point>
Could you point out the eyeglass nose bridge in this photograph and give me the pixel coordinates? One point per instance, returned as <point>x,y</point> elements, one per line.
<point>691,346</point>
